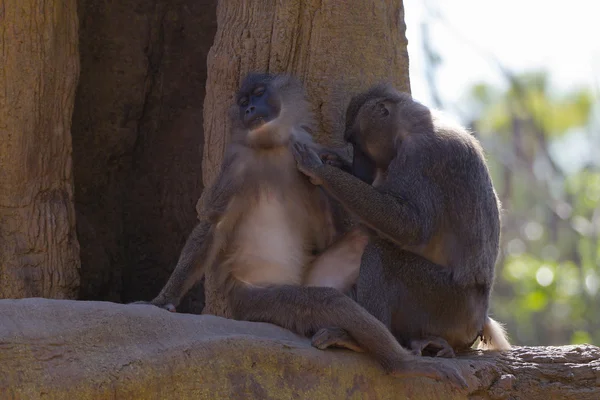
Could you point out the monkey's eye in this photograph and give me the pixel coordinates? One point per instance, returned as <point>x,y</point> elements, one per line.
<point>243,102</point>
<point>259,91</point>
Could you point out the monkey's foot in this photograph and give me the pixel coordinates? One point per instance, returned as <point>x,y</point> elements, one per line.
<point>432,346</point>
<point>430,369</point>
<point>169,307</point>
<point>334,337</point>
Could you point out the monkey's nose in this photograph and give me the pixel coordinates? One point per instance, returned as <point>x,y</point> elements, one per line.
<point>250,110</point>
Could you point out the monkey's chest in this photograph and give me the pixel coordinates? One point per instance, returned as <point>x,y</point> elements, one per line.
<point>270,247</point>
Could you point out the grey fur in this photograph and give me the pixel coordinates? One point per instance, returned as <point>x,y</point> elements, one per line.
<point>434,219</point>
<point>262,167</point>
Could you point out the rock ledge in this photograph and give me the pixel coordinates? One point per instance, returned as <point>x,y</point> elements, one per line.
<point>60,349</point>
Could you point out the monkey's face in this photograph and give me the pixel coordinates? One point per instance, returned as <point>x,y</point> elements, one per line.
<point>372,135</point>
<point>258,104</point>
<point>270,109</point>
<point>363,166</point>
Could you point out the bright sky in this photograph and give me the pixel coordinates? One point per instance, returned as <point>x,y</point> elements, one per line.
<point>560,36</point>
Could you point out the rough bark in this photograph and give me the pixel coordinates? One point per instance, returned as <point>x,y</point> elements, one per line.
<point>137,135</point>
<point>55,349</point>
<point>39,67</point>
<point>336,47</point>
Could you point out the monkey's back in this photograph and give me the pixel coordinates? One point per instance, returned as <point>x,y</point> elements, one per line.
<point>471,208</point>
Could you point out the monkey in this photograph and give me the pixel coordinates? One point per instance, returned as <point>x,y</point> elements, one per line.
<point>262,220</point>
<point>421,188</point>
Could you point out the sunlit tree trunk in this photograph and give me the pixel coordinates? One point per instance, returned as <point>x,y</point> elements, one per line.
<point>39,67</point>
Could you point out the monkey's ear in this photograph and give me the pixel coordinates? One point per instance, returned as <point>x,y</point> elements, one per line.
<point>383,108</point>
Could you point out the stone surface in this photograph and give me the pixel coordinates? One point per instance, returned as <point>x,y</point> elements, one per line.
<point>61,349</point>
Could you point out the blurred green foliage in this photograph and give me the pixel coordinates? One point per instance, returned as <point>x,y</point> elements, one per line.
<point>548,274</point>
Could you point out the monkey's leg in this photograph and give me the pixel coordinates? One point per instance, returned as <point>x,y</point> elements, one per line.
<point>305,310</point>
<point>380,291</point>
<point>372,288</point>
<point>338,266</point>
<point>371,294</point>
<point>431,308</point>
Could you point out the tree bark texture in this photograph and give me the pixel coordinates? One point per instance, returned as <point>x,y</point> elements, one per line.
<point>39,67</point>
<point>337,48</point>
<point>137,136</point>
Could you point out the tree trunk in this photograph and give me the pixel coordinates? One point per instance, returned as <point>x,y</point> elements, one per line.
<point>39,67</point>
<point>337,48</point>
<point>137,137</point>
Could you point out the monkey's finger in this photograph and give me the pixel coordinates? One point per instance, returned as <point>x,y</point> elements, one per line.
<point>297,152</point>
<point>299,148</point>
<point>302,154</point>
<point>303,148</point>
<point>313,154</point>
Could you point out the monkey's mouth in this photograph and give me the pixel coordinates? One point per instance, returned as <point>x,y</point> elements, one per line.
<point>256,122</point>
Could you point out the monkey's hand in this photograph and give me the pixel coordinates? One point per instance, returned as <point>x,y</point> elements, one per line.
<point>169,307</point>
<point>308,162</point>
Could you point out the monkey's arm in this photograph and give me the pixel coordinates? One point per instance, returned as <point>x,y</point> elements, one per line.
<point>406,219</point>
<point>189,268</point>
<point>192,261</point>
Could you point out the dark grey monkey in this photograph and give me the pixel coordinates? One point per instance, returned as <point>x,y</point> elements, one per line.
<point>263,220</point>
<point>422,188</point>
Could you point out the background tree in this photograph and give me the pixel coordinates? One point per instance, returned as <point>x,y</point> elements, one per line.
<point>541,143</point>
<point>39,66</point>
<point>140,155</point>
<point>549,273</point>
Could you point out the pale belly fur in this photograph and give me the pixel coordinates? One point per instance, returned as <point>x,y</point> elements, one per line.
<point>272,249</point>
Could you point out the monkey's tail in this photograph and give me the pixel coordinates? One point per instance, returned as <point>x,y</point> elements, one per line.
<point>494,336</point>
